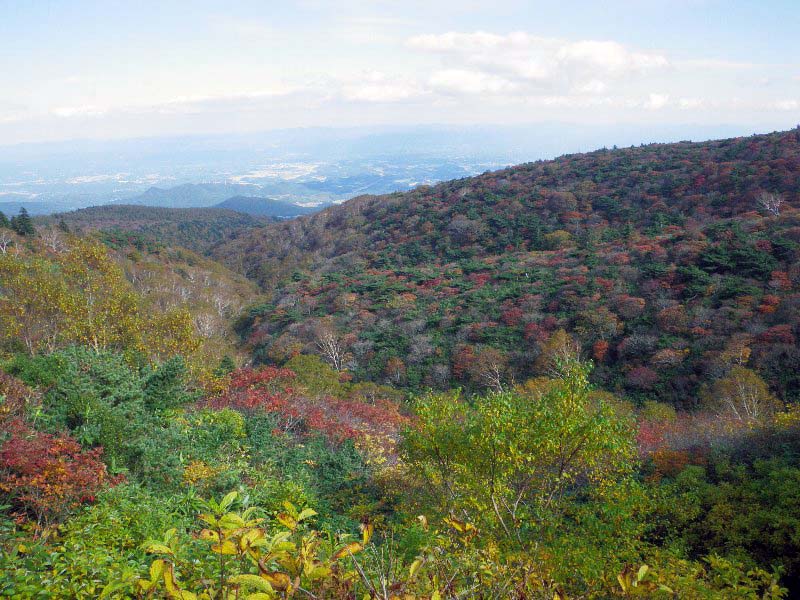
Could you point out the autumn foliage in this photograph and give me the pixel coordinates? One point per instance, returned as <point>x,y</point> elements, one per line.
<point>269,389</point>
<point>47,476</point>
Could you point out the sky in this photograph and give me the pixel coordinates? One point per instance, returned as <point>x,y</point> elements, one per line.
<point>106,69</point>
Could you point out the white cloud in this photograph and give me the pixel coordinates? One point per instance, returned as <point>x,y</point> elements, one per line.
<point>594,86</point>
<point>381,92</point>
<point>609,57</point>
<point>194,104</point>
<point>79,111</point>
<point>787,105</point>
<point>656,101</point>
<point>376,86</point>
<point>463,81</point>
<point>691,103</point>
<point>717,63</point>
<point>525,61</point>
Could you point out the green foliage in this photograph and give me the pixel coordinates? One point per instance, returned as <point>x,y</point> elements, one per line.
<point>735,510</point>
<point>226,366</point>
<point>509,460</point>
<point>236,555</point>
<point>165,386</point>
<point>104,402</point>
<point>662,271</point>
<point>314,375</point>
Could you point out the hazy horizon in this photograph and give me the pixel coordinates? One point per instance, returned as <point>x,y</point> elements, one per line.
<point>307,166</point>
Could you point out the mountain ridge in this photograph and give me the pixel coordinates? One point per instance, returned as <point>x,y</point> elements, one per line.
<point>264,207</point>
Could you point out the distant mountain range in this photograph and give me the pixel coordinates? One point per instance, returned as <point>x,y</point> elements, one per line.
<point>12,207</point>
<point>229,196</point>
<point>265,207</point>
<point>190,195</point>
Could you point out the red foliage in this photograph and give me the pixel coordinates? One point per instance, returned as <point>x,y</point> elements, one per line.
<point>46,476</point>
<point>599,350</point>
<point>764,245</point>
<point>534,331</point>
<point>512,316</point>
<point>430,283</point>
<point>650,436</point>
<point>629,306</point>
<point>266,390</point>
<point>669,463</point>
<point>642,377</point>
<point>480,279</point>
<point>255,389</point>
<point>606,284</point>
<point>780,334</point>
<point>694,432</point>
<point>780,280</point>
<point>462,359</point>
<point>769,303</point>
<point>672,319</point>
<point>549,322</point>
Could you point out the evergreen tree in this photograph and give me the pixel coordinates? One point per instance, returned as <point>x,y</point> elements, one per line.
<point>226,365</point>
<point>22,223</point>
<point>165,386</point>
<point>62,225</point>
<point>4,222</point>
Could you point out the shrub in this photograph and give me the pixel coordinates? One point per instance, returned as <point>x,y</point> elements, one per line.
<point>47,476</point>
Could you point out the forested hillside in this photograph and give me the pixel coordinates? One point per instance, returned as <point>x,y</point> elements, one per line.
<point>613,337</point>
<point>667,264</point>
<point>197,229</point>
<point>146,299</point>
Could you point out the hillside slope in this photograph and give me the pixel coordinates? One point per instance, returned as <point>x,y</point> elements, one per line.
<point>197,229</point>
<point>659,260</point>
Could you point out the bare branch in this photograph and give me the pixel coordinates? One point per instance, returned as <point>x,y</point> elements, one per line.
<point>770,202</point>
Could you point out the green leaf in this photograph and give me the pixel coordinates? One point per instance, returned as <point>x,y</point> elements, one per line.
<point>231,521</point>
<point>319,572</point>
<point>252,581</point>
<point>157,569</point>
<point>415,566</point>
<point>156,548</point>
<point>290,508</point>
<point>306,513</point>
<point>227,501</point>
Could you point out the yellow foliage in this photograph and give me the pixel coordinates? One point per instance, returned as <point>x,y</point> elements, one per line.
<point>198,472</point>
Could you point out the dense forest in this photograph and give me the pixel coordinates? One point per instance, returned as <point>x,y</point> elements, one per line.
<point>575,378</point>
<point>664,262</point>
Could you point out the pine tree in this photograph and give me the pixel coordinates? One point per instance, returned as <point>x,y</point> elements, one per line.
<point>165,386</point>
<point>4,222</point>
<point>22,223</point>
<point>226,366</point>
